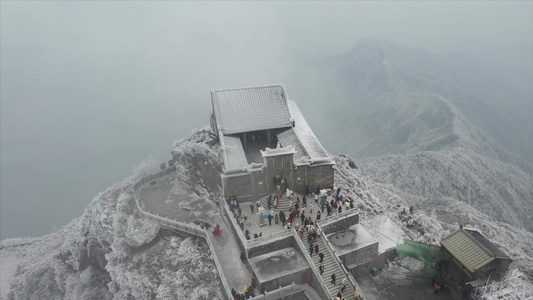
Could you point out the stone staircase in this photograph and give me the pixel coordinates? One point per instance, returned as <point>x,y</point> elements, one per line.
<point>284,202</point>
<point>330,266</point>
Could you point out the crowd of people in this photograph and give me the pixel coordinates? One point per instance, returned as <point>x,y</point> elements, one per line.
<point>298,215</point>
<point>246,293</point>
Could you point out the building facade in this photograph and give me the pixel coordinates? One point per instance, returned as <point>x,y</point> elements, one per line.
<point>266,140</point>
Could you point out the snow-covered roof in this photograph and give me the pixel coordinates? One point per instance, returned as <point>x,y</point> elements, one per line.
<point>308,147</point>
<point>467,250</point>
<point>278,151</point>
<point>233,152</point>
<point>251,108</point>
<point>289,138</point>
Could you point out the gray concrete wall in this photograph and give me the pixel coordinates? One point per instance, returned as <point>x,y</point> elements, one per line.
<point>313,176</point>
<point>366,268</point>
<point>234,227</point>
<point>278,165</point>
<point>297,278</point>
<point>293,292</point>
<point>359,256</point>
<point>320,176</point>
<point>270,246</point>
<point>239,185</point>
<point>342,223</point>
<point>248,186</point>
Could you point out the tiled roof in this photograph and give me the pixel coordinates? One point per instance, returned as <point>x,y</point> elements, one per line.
<point>465,248</point>
<point>305,136</point>
<point>289,138</point>
<point>250,109</point>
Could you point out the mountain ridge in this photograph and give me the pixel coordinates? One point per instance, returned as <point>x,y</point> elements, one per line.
<point>374,67</point>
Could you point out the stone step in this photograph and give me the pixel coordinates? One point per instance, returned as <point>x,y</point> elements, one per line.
<point>283,204</point>
<point>330,266</point>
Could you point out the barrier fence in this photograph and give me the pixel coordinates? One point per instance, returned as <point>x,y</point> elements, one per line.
<point>279,293</point>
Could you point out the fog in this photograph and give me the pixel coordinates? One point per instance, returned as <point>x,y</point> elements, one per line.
<point>90,89</point>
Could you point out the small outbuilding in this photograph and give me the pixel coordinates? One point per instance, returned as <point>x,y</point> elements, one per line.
<point>472,257</point>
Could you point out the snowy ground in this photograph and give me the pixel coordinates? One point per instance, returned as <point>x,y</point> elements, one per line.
<point>9,260</point>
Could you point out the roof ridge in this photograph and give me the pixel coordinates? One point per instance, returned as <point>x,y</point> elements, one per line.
<point>253,87</point>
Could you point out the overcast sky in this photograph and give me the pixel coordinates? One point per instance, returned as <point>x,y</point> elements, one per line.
<point>90,89</point>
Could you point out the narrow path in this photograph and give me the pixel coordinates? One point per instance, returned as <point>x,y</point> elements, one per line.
<point>228,255</point>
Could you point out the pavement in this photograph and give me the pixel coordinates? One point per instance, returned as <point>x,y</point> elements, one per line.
<point>228,255</point>
<point>253,225</point>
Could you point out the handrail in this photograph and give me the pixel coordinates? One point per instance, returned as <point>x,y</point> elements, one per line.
<point>310,262</point>
<point>219,267</point>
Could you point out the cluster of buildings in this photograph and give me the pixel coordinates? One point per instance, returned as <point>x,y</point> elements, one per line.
<point>264,137</point>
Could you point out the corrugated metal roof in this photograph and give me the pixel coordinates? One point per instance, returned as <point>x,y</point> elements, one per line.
<point>495,250</point>
<point>251,108</point>
<point>467,250</point>
<point>234,156</point>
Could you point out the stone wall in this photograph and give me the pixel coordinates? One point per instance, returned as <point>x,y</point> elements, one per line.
<point>232,225</point>
<point>297,277</point>
<point>359,256</point>
<point>313,177</point>
<point>281,165</point>
<point>366,268</point>
<point>239,185</point>
<point>247,186</point>
<point>273,245</point>
<point>343,222</point>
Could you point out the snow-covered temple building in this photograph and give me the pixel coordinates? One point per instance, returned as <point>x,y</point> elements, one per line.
<point>265,138</point>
